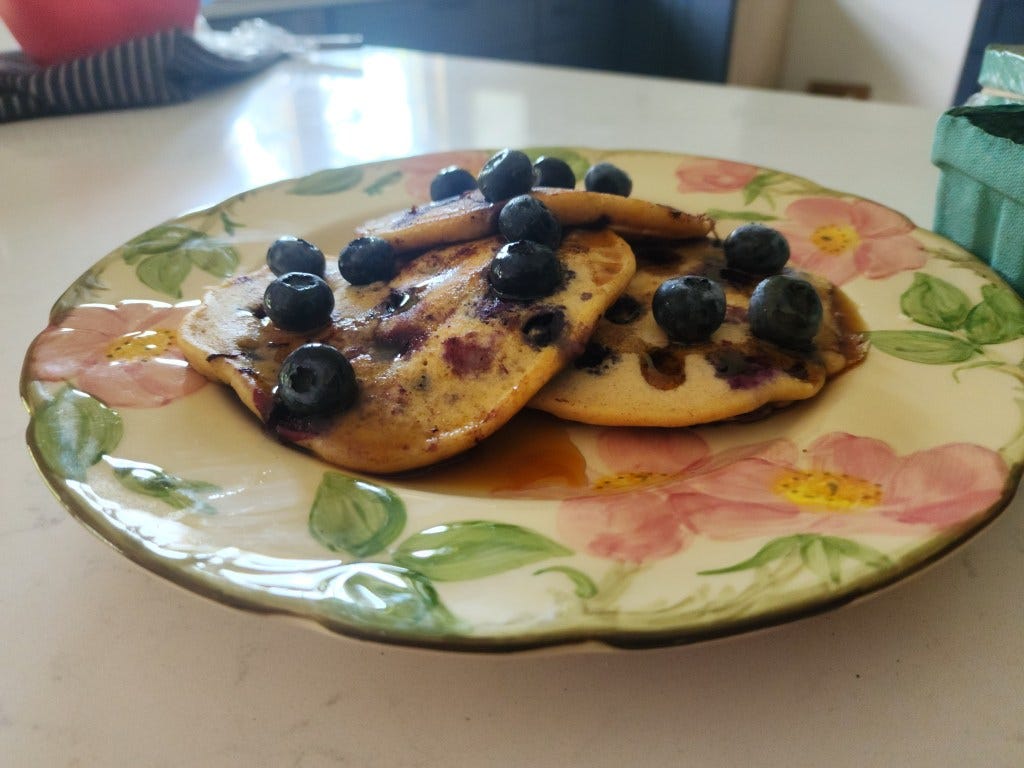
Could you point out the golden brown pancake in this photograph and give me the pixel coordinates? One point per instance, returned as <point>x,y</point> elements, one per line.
<point>632,375</point>
<point>441,362</point>
<point>469,217</point>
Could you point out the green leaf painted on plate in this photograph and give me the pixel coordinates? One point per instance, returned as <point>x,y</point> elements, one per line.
<point>165,255</point>
<point>579,164</point>
<point>473,549</point>
<point>934,302</point>
<point>229,224</point>
<point>165,272</point>
<point>161,239</point>
<point>718,213</point>
<point>387,597</point>
<point>775,549</point>
<point>328,182</point>
<point>961,260</point>
<point>177,492</point>
<point>759,185</point>
<point>73,431</point>
<point>998,318</point>
<point>350,515</point>
<point>869,556</point>
<point>383,183</point>
<point>824,561</point>
<point>583,585</point>
<point>929,347</point>
<point>84,289</point>
<point>820,554</point>
<point>212,256</point>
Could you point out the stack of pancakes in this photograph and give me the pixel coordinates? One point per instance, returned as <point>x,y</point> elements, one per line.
<point>442,362</point>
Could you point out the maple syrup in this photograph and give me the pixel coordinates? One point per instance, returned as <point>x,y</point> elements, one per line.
<point>532,456</point>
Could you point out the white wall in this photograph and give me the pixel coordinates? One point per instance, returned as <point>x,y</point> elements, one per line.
<point>908,51</point>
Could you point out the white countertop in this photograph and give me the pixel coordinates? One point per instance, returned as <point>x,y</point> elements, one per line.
<point>104,664</point>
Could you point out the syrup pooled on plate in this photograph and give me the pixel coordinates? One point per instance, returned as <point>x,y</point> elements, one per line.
<point>532,456</point>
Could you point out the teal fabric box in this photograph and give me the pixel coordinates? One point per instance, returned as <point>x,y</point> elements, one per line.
<point>980,199</point>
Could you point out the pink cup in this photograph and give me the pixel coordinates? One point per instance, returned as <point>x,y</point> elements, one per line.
<point>51,31</point>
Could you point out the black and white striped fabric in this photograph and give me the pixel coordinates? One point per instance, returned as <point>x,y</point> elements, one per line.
<point>163,68</point>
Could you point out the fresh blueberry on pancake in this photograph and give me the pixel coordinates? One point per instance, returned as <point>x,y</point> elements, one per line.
<point>367,260</point>
<point>608,178</point>
<point>756,249</point>
<point>451,182</point>
<point>293,254</point>
<point>551,171</point>
<point>528,218</point>
<point>505,175</point>
<point>298,301</point>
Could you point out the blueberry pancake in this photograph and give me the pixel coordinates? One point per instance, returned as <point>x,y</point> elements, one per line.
<point>440,360</point>
<point>469,216</point>
<point>632,374</point>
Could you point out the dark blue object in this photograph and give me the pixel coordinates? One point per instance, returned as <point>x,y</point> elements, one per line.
<point>553,172</point>
<point>527,218</point>
<point>756,249</point>
<point>298,302</point>
<point>293,254</point>
<point>316,378</point>
<point>608,178</point>
<point>525,270</point>
<point>689,308</point>
<point>451,181</point>
<point>785,310</point>
<point>366,260</point>
<point>507,174</point>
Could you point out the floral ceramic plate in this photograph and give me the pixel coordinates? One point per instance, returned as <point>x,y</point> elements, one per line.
<point>550,533</point>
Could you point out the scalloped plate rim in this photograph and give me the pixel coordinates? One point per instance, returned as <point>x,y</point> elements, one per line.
<point>567,639</point>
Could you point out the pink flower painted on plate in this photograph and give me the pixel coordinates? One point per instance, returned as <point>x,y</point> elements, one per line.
<point>631,528</point>
<point>650,452</point>
<point>842,239</point>
<point>639,526</point>
<point>709,175</point>
<point>124,355</point>
<point>841,484</point>
<point>420,171</point>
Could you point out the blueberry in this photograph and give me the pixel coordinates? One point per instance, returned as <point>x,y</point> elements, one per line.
<point>451,181</point>
<point>298,301</point>
<point>527,218</point>
<point>524,270</point>
<point>366,260</point>
<point>553,172</point>
<point>506,174</point>
<point>293,254</point>
<point>785,310</point>
<point>689,308</point>
<point>756,249</point>
<point>316,378</point>
<point>608,178</point>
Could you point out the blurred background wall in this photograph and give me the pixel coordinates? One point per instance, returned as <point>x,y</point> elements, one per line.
<point>904,51</point>
<point>907,51</point>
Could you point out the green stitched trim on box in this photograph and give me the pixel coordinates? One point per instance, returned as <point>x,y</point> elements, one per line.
<point>1002,68</point>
